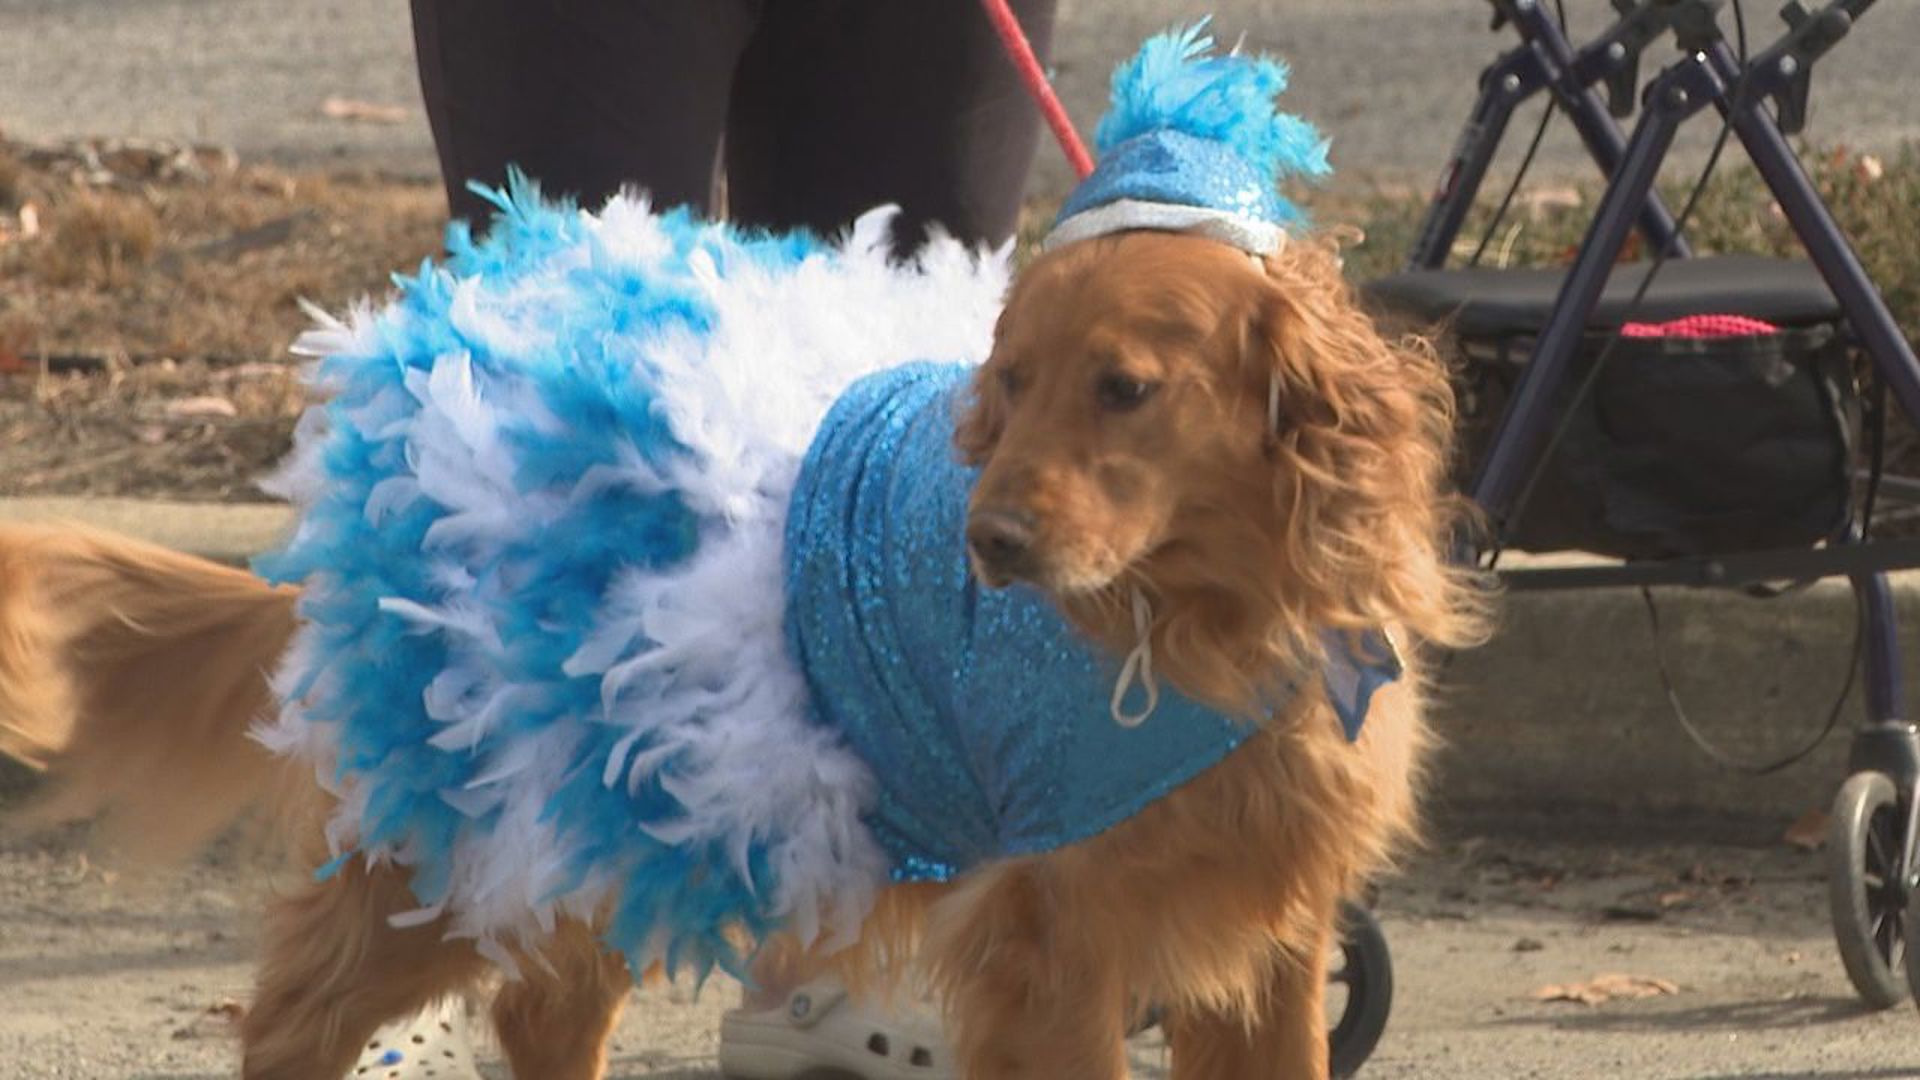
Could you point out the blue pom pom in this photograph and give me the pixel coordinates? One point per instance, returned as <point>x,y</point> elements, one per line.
<point>1176,83</point>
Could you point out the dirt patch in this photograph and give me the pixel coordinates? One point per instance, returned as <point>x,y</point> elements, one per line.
<point>148,297</point>
<point>167,429</point>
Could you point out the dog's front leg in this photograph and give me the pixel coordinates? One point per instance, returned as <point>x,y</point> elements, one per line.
<point>1287,1038</point>
<point>1028,994</point>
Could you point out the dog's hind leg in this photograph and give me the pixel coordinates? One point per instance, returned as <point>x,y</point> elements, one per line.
<point>554,1022</point>
<point>334,969</point>
<point>1029,995</point>
<point>1286,1037</point>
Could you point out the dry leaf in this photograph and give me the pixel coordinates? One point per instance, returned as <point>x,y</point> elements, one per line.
<point>1809,832</point>
<point>364,112</point>
<point>29,221</point>
<point>1604,988</point>
<point>193,408</point>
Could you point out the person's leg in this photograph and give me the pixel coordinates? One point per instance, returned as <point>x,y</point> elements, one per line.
<point>843,105</point>
<point>586,96</point>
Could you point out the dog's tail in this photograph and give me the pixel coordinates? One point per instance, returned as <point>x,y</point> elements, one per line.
<point>130,675</point>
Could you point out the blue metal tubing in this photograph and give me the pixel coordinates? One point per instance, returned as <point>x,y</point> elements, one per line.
<point>1575,94</point>
<point>1887,743</point>
<point>1885,690</point>
<point>1545,59</point>
<point>1680,92</point>
<point>1866,312</point>
<point>1521,437</point>
<point>1510,80</point>
<point>1826,245</point>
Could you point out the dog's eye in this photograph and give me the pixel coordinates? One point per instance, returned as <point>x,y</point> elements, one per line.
<point>1119,393</point>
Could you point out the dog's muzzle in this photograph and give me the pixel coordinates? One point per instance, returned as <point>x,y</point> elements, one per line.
<point>1001,544</point>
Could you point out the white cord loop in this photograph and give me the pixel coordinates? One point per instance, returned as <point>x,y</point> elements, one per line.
<point>1138,667</point>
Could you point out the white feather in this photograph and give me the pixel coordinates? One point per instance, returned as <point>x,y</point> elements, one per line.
<point>717,701</point>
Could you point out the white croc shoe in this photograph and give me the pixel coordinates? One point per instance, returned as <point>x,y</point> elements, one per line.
<point>430,1043</point>
<point>821,1031</point>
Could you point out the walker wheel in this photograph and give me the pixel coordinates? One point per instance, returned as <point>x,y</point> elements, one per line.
<point>1359,990</point>
<point>1864,890</point>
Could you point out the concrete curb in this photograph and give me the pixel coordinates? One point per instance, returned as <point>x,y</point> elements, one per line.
<point>229,533</point>
<point>1562,714</point>
<point>1564,711</point>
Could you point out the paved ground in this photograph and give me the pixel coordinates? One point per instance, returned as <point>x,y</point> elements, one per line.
<point>1390,79</point>
<point>108,980</point>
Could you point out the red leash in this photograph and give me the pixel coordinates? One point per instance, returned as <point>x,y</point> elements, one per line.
<point>1020,51</point>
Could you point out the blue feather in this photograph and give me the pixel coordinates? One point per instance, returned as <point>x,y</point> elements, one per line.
<point>1175,83</point>
<point>356,549</point>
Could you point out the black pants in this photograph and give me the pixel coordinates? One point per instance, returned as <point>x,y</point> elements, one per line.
<point>828,107</point>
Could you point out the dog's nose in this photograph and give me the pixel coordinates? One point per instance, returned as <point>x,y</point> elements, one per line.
<point>1001,541</point>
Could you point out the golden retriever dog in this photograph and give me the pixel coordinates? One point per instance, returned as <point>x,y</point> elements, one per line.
<point>1159,413</point>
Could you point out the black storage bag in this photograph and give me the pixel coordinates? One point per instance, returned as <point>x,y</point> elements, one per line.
<point>1686,446</point>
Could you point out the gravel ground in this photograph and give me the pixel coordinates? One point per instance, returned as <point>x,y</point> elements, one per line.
<point>108,979</point>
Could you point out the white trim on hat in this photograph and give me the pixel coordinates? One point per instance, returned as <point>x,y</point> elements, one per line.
<point>1236,230</point>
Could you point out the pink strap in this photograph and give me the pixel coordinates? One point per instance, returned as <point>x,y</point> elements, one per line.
<point>1701,326</point>
<point>1020,51</point>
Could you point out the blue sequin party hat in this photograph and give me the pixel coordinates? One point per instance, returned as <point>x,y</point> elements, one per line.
<point>1192,142</point>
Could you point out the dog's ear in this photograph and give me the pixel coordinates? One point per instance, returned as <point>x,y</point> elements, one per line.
<point>984,417</point>
<point>1325,375</point>
<point>1358,437</point>
<point>1275,374</point>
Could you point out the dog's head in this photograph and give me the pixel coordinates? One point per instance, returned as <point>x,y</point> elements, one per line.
<point>1230,435</point>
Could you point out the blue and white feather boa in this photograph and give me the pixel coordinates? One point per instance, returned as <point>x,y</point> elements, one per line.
<point>543,662</point>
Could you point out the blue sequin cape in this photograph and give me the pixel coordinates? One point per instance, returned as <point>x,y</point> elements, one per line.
<point>984,715</point>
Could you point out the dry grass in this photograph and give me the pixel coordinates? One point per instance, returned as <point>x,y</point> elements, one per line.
<point>166,429</point>
<point>207,262</point>
<point>144,327</point>
<point>161,275</point>
<point>98,242</point>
